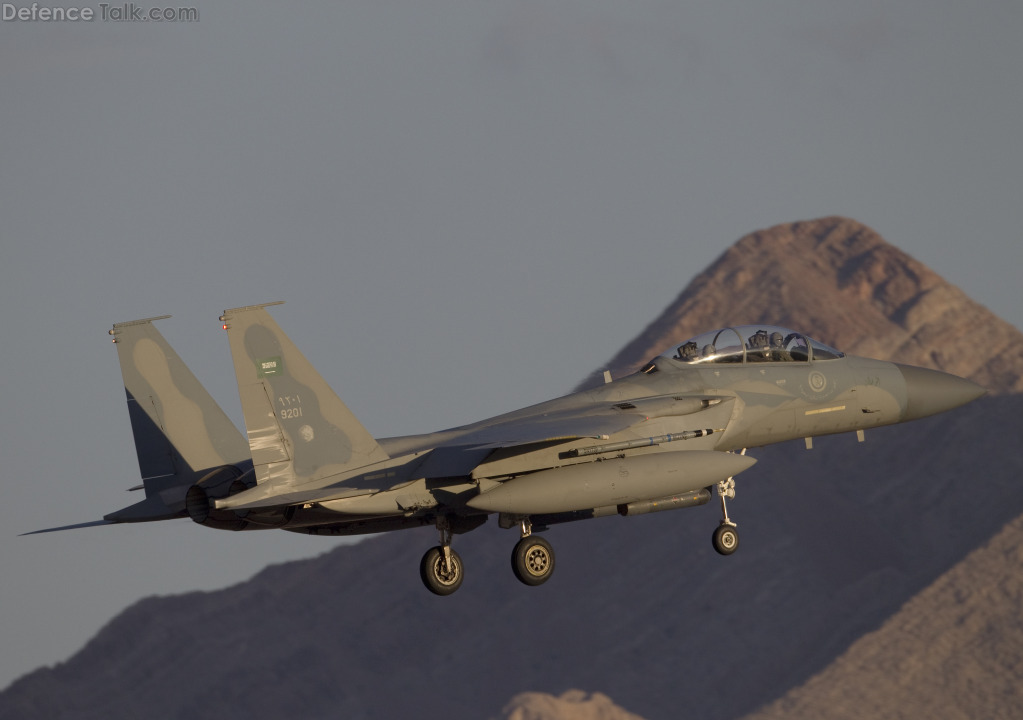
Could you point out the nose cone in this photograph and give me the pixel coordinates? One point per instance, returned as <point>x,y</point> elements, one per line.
<point>929,392</point>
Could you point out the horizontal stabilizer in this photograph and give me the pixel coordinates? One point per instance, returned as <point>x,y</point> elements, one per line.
<point>70,527</point>
<point>262,496</point>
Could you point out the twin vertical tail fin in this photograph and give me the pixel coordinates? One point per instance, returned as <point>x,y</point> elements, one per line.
<point>299,430</point>
<point>181,434</point>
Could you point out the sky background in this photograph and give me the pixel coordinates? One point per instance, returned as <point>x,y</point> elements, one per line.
<point>467,206</point>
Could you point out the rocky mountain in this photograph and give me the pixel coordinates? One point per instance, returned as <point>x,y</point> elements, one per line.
<point>840,282</point>
<point>954,651</point>
<point>835,541</point>
<point>572,705</point>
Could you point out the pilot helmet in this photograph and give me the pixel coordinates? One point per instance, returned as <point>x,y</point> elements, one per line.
<point>777,340</point>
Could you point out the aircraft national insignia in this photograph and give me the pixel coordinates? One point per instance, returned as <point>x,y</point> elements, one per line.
<point>267,367</point>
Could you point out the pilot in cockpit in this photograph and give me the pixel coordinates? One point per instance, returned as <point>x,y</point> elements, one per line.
<point>778,352</point>
<point>758,346</point>
<point>688,352</point>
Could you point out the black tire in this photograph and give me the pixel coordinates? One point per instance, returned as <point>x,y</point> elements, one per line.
<point>533,560</point>
<point>726,539</point>
<point>436,579</point>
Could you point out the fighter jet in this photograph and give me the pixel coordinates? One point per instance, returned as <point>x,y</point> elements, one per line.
<point>663,438</point>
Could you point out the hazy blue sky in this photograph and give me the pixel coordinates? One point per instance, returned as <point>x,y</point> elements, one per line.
<point>466,205</point>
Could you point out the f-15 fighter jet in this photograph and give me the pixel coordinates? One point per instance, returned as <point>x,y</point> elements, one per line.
<point>665,437</point>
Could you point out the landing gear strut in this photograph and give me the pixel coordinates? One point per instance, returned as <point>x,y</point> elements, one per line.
<point>533,557</point>
<point>441,567</point>
<point>726,537</point>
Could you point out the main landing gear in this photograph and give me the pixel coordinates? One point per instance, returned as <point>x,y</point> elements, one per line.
<point>442,572</point>
<point>441,567</point>
<point>532,559</point>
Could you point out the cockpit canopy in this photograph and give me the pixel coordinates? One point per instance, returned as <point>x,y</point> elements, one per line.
<point>749,344</point>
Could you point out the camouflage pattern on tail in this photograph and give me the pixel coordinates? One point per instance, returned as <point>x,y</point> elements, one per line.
<point>181,434</point>
<point>299,430</point>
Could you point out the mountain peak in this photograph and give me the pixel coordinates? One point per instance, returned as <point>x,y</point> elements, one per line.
<point>571,705</point>
<point>843,284</point>
<point>838,542</point>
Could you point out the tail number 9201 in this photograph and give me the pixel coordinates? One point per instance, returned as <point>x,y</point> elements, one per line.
<point>291,407</point>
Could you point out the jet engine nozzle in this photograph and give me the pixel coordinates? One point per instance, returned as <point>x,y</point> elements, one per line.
<point>929,392</point>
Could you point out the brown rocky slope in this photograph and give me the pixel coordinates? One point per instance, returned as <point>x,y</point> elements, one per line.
<point>840,282</point>
<point>571,705</point>
<point>955,651</point>
<point>835,542</point>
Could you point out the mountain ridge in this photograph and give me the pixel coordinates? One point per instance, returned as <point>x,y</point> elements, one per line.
<point>922,662</point>
<point>835,542</point>
<point>882,303</point>
<point>952,651</point>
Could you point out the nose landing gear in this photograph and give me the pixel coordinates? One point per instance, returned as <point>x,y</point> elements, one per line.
<point>726,537</point>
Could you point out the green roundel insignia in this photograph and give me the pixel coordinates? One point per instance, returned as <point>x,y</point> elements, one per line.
<point>267,367</point>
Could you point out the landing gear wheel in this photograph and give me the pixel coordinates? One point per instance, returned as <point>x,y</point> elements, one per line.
<point>440,577</point>
<point>533,560</point>
<point>726,539</point>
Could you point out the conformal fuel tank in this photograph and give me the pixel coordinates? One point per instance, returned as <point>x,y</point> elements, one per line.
<point>611,482</point>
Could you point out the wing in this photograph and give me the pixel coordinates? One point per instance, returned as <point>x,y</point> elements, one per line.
<point>598,421</point>
<point>457,454</point>
<point>528,432</point>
